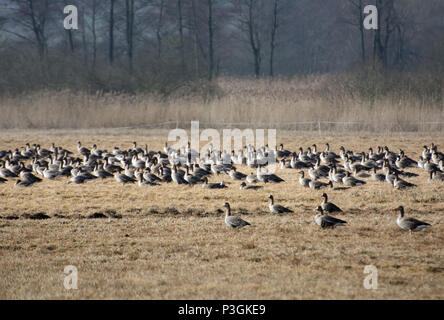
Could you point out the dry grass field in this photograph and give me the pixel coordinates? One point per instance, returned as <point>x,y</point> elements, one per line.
<point>171,241</point>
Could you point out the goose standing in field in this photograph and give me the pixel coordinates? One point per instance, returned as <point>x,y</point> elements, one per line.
<point>276,208</point>
<point>329,206</point>
<point>409,224</point>
<point>326,221</point>
<point>82,150</point>
<point>233,221</point>
<point>177,176</point>
<point>243,186</point>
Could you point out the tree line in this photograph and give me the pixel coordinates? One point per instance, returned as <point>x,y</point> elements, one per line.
<point>151,41</point>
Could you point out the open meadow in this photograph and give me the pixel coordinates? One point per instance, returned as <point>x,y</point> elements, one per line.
<point>170,241</point>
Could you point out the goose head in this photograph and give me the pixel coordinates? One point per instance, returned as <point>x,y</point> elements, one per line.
<point>319,209</point>
<point>400,209</point>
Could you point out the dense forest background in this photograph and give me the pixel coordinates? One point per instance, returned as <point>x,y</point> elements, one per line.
<point>307,50</point>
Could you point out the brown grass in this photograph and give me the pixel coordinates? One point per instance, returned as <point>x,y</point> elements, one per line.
<point>172,242</point>
<point>281,101</point>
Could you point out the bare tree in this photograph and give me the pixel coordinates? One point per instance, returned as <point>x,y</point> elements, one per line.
<point>180,29</point>
<point>274,27</point>
<point>210,40</point>
<point>111,32</point>
<point>129,6</point>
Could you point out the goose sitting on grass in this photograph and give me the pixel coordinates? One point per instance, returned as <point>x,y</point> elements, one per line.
<point>326,221</point>
<point>276,208</point>
<point>207,185</point>
<point>329,206</point>
<point>243,186</point>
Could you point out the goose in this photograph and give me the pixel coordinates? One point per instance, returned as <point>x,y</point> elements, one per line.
<point>409,224</point>
<point>122,178</point>
<point>207,185</point>
<point>24,183</point>
<point>315,184</point>
<point>82,150</point>
<point>251,178</point>
<point>79,179</point>
<point>358,174</point>
<point>267,177</point>
<point>331,187</point>
<point>351,181</point>
<point>402,184</point>
<point>305,182</point>
<point>297,164</point>
<point>99,172</point>
<point>190,178</point>
<point>43,153</point>
<point>428,166</point>
<point>233,221</point>
<point>335,176</point>
<point>6,173</point>
<point>326,221</point>
<point>235,175</point>
<point>49,174</point>
<point>28,176</point>
<point>276,208</point>
<point>421,162</point>
<point>142,182</point>
<point>390,177</point>
<point>436,176</point>
<point>177,176</point>
<point>329,206</point>
<point>282,153</point>
<point>243,186</point>
<point>377,176</point>
<point>150,177</point>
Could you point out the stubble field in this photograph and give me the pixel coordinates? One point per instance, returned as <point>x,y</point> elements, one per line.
<point>171,241</point>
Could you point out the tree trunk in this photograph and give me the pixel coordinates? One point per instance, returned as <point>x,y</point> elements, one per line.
<point>94,35</point>
<point>111,32</point>
<point>159,29</point>
<point>181,42</point>
<point>254,39</point>
<point>274,26</point>
<point>210,40</point>
<point>361,31</point>
<point>130,32</point>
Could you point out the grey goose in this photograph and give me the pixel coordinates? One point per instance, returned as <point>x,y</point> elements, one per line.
<point>233,221</point>
<point>329,206</point>
<point>243,186</point>
<point>276,208</point>
<point>326,221</point>
<point>409,224</point>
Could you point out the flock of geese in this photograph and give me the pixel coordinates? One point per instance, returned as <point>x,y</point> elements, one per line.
<point>29,165</point>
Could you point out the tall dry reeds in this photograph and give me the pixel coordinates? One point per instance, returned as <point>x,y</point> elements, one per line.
<point>278,102</point>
